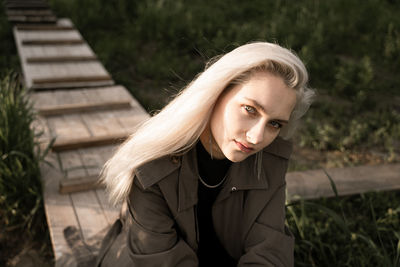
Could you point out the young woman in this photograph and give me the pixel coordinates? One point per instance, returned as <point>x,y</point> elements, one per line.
<point>204,179</point>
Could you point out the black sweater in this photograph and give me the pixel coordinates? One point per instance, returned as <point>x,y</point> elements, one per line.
<point>212,171</point>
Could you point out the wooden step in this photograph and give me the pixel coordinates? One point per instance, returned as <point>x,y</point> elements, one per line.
<point>32,19</point>
<point>41,27</point>
<point>73,131</point>
<point>348,181</point>
<point>79,184</point>
<point>81,108</point>
<point>76,143</point>
<point>44,101</point>
<point>38,54</point>
<point>27,5</point>
<point>29,12</point>
<point>52,42</point>
<point>67,79</point>
<point>59,59</point>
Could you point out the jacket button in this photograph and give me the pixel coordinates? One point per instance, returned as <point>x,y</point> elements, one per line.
<point>233,189</point>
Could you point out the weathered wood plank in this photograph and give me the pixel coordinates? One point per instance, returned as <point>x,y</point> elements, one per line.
<point>111,212</point>
<point>42,27</point>
<point>79,184</point>
<point>90,216</point>
<point>49,35</point>
<point>88,78</point>
<point>60,59</point>
<point>29,12</point>
<point>59,210</point>
<point>72,165</point>
<point>130,119</point>
<point>103,123</point>
<point>37,51</point>
<point>352,180</point>
<point>67,127</point>
<point>81,108</point>
<point>76,143</point>
<point>53,42</point>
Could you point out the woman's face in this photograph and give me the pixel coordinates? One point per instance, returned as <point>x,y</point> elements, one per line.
<point>248,117</point>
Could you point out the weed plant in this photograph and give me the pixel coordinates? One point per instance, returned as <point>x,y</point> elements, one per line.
<point>21,205</point>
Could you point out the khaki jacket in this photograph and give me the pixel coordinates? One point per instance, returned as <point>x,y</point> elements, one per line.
<point>160,225</point>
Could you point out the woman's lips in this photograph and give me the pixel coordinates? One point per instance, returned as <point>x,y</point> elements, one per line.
<point>243,147</point>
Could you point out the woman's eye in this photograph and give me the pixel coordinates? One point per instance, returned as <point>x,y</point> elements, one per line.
<point>275,124</point>
<point>249,109</point>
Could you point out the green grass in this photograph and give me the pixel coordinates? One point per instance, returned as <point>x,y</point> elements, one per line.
<point>361,230</point>
<point>22,218</point>
<point>8,51</point>
<point>352,51</point>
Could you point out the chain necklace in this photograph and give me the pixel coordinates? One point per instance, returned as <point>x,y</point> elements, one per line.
<point>212,186</point>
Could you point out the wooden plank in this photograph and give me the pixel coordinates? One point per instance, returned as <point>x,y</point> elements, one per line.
<point>60,59</point>
<point>90,216</point>
<point>29,12</point>
<point>81,108</point>
<point>50,35</point>
<point>92,97</point>
<point>103,123</point>
<point>70,85</point>
<point>130,119</point>
<point>93,162</point>
<point>30,19</point>
<point>59,210</point>
<point>53,42</point>
<point>67,127</point>
<point>88,78</point>
<point>79,184</point>
<point>72,165</point>
<point>27,5</point>
<point>63,145</point>
<point>49,51</point>
<point>111,212</point>
<point>41,27</point>
<point>35,51</point>
<point>352,180</point>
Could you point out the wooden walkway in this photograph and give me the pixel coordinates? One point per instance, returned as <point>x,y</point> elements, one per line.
<point>82,110</point>
<point>88,116</point>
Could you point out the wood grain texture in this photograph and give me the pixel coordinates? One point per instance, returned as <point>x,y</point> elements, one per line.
<point>352,180</point>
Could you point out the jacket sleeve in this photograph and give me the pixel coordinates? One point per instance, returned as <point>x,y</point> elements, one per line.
<point>269,242</point>
<point>153,239</point>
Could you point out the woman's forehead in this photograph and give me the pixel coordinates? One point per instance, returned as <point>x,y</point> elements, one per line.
<point>269,93</point>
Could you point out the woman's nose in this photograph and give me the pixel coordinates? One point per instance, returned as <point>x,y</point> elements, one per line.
<point>255,134</point>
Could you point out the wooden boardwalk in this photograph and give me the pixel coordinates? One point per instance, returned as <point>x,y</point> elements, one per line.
<point>87,115</point>
<point>81,110</point>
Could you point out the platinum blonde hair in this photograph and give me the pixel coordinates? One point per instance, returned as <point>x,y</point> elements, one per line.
<point>178,126</point>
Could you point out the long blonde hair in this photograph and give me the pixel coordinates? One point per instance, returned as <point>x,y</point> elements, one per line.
<point>178,126</point>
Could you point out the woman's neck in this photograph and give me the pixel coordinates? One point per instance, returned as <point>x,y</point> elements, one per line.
<point>210,145</point>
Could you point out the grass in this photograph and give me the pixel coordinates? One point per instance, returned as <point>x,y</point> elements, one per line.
<point>360,230</point>
<point>21,203</point>
<point>352,51</point>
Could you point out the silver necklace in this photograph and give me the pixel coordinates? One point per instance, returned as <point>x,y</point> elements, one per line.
<point>212,186</point>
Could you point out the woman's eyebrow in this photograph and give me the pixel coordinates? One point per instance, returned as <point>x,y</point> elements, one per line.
<point>255,103</point>
<point>259,106</point>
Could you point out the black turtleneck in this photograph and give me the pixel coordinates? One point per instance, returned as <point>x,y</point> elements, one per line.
<point>212,171</point>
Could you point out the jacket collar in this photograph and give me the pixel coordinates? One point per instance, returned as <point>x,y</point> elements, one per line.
<point>240,176</point>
